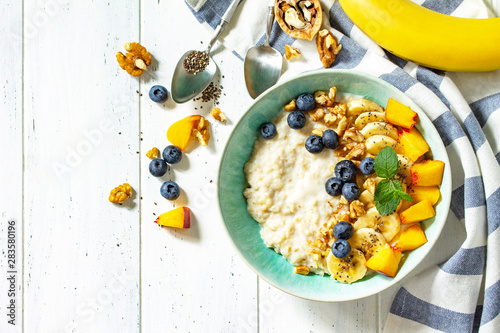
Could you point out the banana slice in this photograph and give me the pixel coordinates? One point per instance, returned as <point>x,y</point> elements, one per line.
<point>367,241</point>
<point>349,269</point>
<point>404,169</point>
<point>387,225</point>
<point>369,117</point>
<point>358,106</point>
<point>380,128</point>
<point>374,144</point>
<point>366,197</point>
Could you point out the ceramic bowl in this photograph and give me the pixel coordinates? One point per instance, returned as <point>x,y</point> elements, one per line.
<point>243,230</point>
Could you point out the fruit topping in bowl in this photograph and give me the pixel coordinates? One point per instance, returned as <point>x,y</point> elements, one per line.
<point>354,208</point>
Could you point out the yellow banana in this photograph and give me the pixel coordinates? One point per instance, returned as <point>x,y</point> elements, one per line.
<point>428,38</point>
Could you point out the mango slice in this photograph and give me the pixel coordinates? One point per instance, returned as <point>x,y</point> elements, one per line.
<point>418,212</point>
<point>412,144</point>
<point>412,238</point>
<point>427,173</point>
<point>385,260</point>
<point>400,114</point>
<point>177,218</point>
<point>181,132</point>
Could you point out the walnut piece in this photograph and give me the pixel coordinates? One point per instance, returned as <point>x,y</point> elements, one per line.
<point>202,131</point>
<point>330,119</point>
<point>304,270</point>
<point>120,193</point>
<point>338,109</point>
<point>342,126</point>
<point>291,52</point>
<point>356,209</point>
<point>136,60</point>
<point>357,153</point>
<point>318,132</point>
<point>353,134</point>
<point>327,47</point>
<point>369,185</point>
<point>322,98</point>
<point>153,153</point>
<point>291,106</point>
<point>317,114</point>
<point>218,115</point>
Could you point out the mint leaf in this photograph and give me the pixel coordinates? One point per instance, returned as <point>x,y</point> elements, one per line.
<point>388,195</point>
<point>386,163</point>
<point>387,204</point>
<point>404,196</point>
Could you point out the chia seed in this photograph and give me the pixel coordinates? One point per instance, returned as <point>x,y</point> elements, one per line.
<point>196,62</point>
<point>212,92</point>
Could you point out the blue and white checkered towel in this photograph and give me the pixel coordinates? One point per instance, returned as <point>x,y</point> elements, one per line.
<point>461,294</point>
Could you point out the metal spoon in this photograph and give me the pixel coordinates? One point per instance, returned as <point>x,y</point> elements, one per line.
<point>263,64</point>
<point>184,85</point>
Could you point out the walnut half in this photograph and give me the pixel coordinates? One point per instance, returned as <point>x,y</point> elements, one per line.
<point>327,47</point>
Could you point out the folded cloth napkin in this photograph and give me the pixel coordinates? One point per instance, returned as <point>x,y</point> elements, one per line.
<point>461,294</point>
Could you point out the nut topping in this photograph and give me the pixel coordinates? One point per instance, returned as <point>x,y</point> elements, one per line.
<point>136,60</point>
<point>327,47</point>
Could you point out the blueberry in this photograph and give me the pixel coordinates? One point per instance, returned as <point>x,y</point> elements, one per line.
<point>350,191</point>
<point>268,130</point>
<point>170,190</point>
<point>158,94</point>
<point>172,154</point>
<point>366,166</point>
<point>341,248</point>
<point>346,170</point>
<point>305,102</point>
<point>158,167</point>
<point>296,119</point>
<point>330,139</point>
<point>334,186</point>
<point>314,145</point>
<point>343,230</point>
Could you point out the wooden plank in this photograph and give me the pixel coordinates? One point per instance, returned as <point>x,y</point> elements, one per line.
<point>11,178</point>
<point>281,312</point>
<point>81,139</point>
<point>192,280</point>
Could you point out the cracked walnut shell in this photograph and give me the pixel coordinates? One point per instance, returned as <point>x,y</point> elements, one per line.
<point>120,193</point>
<point>299,18</point>
<point>327,47</point>
<point>136,60</point>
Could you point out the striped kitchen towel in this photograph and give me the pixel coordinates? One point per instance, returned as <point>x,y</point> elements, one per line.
<point>462,293</point>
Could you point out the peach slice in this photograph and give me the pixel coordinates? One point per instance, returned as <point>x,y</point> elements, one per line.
<point>180,132</point>
<point>427,173</point>
<point>177,218</point>
<point>420,193</point>
<point>412,143</point>
<point>400,114</point>
<point>418,212</point>
<point>385,260</point>
<point>412,238</point>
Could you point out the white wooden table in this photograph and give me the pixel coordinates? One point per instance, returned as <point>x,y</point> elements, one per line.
<point>73,125</point>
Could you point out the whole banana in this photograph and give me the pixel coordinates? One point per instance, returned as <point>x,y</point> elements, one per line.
<point>428,38</point>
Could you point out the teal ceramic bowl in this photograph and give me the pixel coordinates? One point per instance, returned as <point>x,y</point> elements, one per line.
<point>243,230</point>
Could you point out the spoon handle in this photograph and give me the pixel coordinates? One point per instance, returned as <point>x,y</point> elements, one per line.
<point>224,21</point>
<point>230,11</point>
<point>270,21</point>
